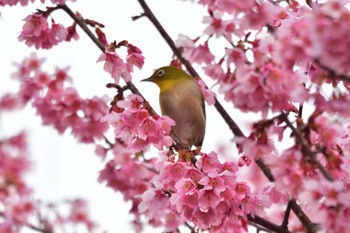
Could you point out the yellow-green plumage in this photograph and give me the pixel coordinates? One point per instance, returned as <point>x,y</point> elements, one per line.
<point>181,99</point>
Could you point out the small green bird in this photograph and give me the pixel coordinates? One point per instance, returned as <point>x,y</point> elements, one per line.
<point>182,100</point>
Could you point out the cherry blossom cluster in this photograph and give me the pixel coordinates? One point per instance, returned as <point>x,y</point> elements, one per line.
<point>206,194</point>
<point>114,64</point>
<point>38,32</point>
<point>134,125</point>
<point>128,173</point>
<point>59,103</point>
<point>277,57</point>
<point>16,205</point>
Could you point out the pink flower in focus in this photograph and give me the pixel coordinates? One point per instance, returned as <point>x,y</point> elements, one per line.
<point>72,33</point>
<point>134,57</point>
<point>35,26</point>
<point>57,34</point>
<point>204,194</point>
<point>115,66</point>
<point>137,128</point>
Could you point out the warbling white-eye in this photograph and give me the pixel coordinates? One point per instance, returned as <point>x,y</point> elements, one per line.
<point>182,100</point>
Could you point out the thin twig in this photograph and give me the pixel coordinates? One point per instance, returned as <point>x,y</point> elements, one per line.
<point>306,148</point>
<point>81,22</point>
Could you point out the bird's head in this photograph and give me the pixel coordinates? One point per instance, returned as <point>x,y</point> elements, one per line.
<point>166,77</point>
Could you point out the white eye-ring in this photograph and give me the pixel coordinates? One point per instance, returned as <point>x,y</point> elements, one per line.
<point>160,73</point>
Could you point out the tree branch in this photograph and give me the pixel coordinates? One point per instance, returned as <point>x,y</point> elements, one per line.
<point>306,149</point>
<point>304,219</point>
<point>267,224</point>
<point>286,215</point>
<point>265,169</point>
<point>81,22</point>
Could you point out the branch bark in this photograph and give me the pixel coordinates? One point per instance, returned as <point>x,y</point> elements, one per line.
<point>304,219</point>
<point>305,147</point>
<point>267,224</point>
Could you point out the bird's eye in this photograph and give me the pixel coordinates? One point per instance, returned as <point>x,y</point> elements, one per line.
<point>160,73</point>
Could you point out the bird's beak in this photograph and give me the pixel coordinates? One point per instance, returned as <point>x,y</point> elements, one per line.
<point>150,79</point>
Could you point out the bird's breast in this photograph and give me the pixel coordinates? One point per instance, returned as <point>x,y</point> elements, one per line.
<point>184,104</point>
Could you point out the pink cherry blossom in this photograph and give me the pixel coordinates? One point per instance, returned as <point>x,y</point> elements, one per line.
<point>115,66</point>
<point>137,128</point>
<point>203,193</point>
<point>36,31</point>
<point>218,26</point>
<point>58,105</point>
<point>134,57</point>
<point>35,26</point>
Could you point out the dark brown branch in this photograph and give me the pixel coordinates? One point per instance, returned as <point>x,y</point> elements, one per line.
<point>304,219</point>
<point>267,224</point>
<point>265,169</point>
<point>306,149</point>
<point>286,215</point>
<point>81,22</point>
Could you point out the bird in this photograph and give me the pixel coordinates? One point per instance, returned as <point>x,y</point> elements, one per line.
<point>181,99</point>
